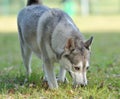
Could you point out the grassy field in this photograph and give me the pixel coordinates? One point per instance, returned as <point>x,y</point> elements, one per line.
<point>103,75</point>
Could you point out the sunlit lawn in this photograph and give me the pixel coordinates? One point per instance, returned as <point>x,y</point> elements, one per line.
<point>103,75</point>
<point>86,24</point>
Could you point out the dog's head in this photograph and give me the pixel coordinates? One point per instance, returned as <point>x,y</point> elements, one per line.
<point>75,59</point>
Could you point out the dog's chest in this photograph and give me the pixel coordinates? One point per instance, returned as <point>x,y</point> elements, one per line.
<point>51,54</point>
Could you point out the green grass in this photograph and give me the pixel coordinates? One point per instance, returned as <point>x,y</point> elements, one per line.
<point>103,75</point>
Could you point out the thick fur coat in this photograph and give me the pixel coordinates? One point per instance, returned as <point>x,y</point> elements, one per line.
<point>52,35</point>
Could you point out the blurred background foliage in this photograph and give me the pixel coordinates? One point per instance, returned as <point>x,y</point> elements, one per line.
<point>89,15</point>
<point>95,7</point>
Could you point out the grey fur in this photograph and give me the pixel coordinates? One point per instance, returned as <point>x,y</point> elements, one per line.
<point>51,34</point>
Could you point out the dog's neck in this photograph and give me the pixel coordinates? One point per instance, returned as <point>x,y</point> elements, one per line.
<point>63,31</point>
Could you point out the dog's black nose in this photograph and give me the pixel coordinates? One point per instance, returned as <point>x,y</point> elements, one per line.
<point>83,85</point>
<point>79,85</point>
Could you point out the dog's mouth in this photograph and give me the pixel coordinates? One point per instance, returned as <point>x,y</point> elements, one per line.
<point>76,83</point>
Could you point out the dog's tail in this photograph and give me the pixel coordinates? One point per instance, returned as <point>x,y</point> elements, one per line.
<point>30,2</point>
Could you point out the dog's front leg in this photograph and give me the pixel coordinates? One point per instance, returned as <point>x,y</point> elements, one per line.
<point>61,77</point>
<point>50,75</point>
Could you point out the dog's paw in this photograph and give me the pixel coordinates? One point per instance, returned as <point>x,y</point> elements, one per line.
<point>62,81</point>
<point>45,84</point>
<point>66,80</point>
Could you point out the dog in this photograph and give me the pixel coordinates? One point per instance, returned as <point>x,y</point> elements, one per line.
<point>52,35</point>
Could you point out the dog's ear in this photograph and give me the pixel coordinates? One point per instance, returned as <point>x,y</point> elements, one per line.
<point>70,44</point>
<point>88,42</point>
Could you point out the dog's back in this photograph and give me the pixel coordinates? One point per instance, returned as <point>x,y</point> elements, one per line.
<point>29,15</point>
<point>27,23</point>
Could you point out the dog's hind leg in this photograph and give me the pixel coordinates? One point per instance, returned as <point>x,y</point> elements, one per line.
<point>26,52</point>
<point>26,55</point>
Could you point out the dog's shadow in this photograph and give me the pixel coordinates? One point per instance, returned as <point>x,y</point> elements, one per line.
<point>17,83</point>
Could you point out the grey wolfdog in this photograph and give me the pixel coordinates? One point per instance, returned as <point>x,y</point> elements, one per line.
<point>52,35</point>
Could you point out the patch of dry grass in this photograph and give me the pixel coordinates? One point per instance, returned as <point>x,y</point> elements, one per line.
<point>8,24</point>
<point>98,23</point>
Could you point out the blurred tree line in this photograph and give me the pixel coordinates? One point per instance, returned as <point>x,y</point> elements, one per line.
<point>72,7</point>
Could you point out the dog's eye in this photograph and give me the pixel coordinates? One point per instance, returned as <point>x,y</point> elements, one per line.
<point>77,68</point>
<point>76,51</point>
<point>66,56</point>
